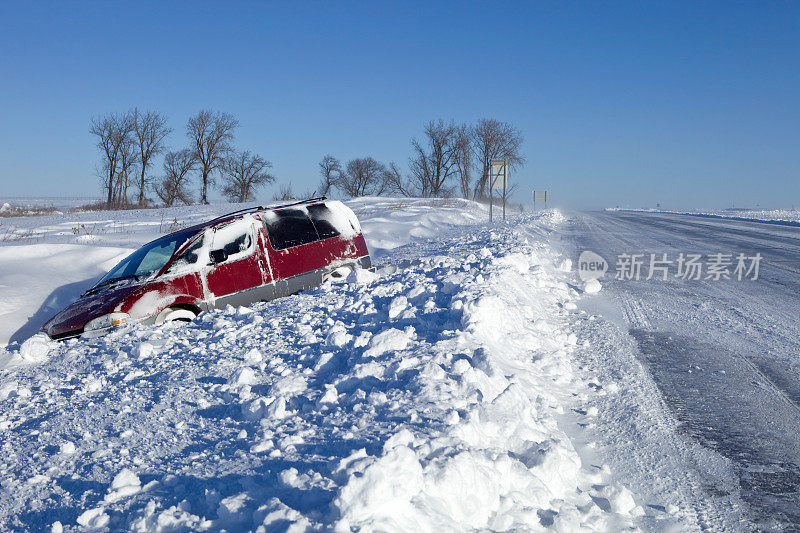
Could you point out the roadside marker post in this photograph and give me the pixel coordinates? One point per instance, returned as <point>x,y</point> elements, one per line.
<point>539,196</point>
<point>498,179</point>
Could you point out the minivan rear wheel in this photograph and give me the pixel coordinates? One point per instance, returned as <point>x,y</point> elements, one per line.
<point>172,314</point>
<point>337,274</point>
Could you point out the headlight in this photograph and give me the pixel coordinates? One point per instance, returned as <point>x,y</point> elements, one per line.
<point>111,320</point>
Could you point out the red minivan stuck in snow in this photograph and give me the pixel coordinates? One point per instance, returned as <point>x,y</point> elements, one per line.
<point>237,259</point>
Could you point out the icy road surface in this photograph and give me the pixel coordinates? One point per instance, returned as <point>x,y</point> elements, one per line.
<point>725,355</point>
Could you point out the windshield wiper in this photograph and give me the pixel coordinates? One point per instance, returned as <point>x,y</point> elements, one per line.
<point>112,280</point>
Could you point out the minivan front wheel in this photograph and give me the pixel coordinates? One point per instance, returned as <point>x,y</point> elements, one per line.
<point>172,314</point>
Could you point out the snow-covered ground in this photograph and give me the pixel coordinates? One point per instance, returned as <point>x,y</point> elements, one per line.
<point>791,216</point>
<point>472,383</point>
<point>437,394</point>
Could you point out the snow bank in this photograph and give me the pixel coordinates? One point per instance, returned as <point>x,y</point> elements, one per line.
<point>38,280</point>
<point>389,223</point>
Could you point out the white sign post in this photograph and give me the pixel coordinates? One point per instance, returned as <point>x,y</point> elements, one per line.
<point>539,196</point>
<point>498,179</point>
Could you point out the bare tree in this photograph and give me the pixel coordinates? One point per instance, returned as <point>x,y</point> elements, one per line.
<point>494,139</point>
<point>243,172</point>
<point>434,159</point>
<point>363,177</point>
<point>112,132</point>
<point>211,134</point>
<point>150,129</point>
<point>462,146</point>
<point>177,166</point>
<point>286,192</point>
<point>395,183</point>
<point>128,159</point>
<point>331,171</point>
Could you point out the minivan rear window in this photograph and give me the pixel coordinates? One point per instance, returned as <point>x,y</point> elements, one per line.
<point>321,215</point>
<point>289,227</point>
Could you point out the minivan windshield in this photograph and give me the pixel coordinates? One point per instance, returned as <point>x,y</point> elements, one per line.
<point>148,259</point>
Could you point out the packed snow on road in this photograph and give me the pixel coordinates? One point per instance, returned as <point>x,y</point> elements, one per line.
<point>472,382</point>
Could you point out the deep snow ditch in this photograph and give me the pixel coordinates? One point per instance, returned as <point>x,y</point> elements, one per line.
<point>424,399</point>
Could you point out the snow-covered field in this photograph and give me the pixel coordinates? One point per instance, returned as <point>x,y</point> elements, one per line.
<point>791,216</point>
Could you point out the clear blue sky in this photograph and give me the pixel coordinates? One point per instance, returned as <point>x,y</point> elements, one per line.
<point>689,104</point>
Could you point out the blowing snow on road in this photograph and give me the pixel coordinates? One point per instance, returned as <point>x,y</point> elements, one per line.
<point>473,382</point>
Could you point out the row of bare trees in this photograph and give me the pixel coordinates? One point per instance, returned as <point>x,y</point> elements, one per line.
<point>359,177</point>
<point>449,159</point>
<point>130,142</point>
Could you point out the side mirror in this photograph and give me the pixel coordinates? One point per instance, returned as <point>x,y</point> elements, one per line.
<point>218,256</point>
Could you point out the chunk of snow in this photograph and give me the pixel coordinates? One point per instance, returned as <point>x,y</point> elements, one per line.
<point>7,389</point>
<point>125,483</point>
<point>233,508</point>
<point>382,494</point>
<point>255,409</point>
<point>125,478</point>
<point>389,340</point>
<point>67,448</point>
<point>149,303</point>
<point>36,348</point>
<point>253,357</point>
<point>331,395</point>
<point>277,409</point>
<point>278,515</point>
<point>243,376</point>
<point>338,337</point>
<point>592,286</point>
<point>361,276</point>
<point>398,305</point>
<point>94,518</point>
<point>618,498</point>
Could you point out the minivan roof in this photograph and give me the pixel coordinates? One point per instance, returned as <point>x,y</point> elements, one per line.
<point>233,214</point>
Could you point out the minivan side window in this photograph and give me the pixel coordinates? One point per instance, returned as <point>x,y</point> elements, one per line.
<point>321,215</point>
<point>190,254</point>
<point>235,238</point>
<point>188,258</point>
<point>289,227</point>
